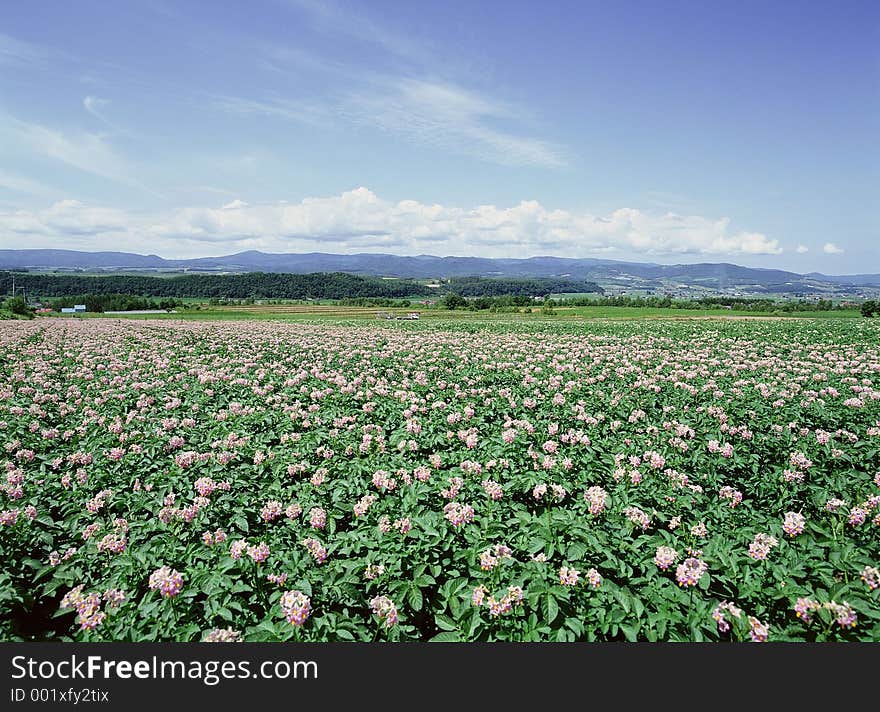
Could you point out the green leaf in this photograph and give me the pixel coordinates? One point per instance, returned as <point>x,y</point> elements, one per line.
<point>631,632</point>
<point>549,608</point>
<point>447,636</point>
<point>415,598</point>
<point>445,622</point>
<point>576,551</point>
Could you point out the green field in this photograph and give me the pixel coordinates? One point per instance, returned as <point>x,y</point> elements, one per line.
<point>322,312</point>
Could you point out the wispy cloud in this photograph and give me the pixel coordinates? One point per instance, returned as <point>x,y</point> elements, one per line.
<point>412,99</point>
<point>276,107</point>
<point>14,52</point>
<point>454,119</point>
<point>829,248</point>
<point>95,106</point>
<point>332,18</point>
<point>802,249</point>
<point>84,151</point>
<point>21,184</point>
<point>423,112</point>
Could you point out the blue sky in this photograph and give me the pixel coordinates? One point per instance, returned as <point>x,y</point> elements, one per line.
<point>666,132</point>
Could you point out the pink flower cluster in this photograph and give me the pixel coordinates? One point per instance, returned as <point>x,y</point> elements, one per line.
<point>569,576</point>
<point>844,614</point>
<point>166,581</point>
<point>271,510</point>
<point>217,537</point>
<point>637,517</point>
<point>317,518</point>
<point>598,499</point>
<point>732,495</point>
<point>363,504</point>
<point>492,489</point>
<point>223,635</point>
<point>793,523</point>
<point>718,615</point>
<point>871,576</point>
<point>665,557</point>
<point>458,514</point>
<point>384,608</point>
<point>88,606</point>
<point>513,597</point>
<point>316,549</point>
<point>761,546</point>
<point>690,570</point>
<point>258,553</point>
<point>296,607</point>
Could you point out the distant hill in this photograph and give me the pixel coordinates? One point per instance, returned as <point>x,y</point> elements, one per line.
<point>708,276</point>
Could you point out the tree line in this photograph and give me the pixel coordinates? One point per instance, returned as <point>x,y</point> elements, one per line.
<point>113,302</point>
<point>254,285</point>
<point>535,287</point>
<point>756,304</point>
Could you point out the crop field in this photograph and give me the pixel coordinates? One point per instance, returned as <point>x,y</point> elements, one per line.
<point>645,480</point>
<point>333,312</point>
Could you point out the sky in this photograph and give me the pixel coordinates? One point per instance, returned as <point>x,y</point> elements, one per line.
<point>670,132</point>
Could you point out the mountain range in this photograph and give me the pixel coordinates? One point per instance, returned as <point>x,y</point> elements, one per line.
<point>625,275</point>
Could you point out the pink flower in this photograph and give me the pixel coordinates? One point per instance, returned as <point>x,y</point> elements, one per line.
<point>166,581</point>
<point>665,557</point>
<point>479,595</point>
<point>458,514</point>
<point>689,572</point>
<point>223,635</point>
<point>730,494</point>
<point>296,607</point>
<point>317,518</point>
<point>761,546</point>
<point>259,553</point>
<point>793,523</point>
<point>718,615</point>
<point>568,576</point>
<point>871,576</point>
<point>758,631</point>
<point>598,499</point>
<point>316,549</point>
<point>804,608</point>
<point>365,502</point>
<point>638,517</point>
<point>384,608</point>
<point>492,489</point>
<point>857,516</point>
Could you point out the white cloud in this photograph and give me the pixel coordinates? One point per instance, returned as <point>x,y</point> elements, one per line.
<point>66,219</point>
<point>802,249</point>
<point>360,221</point>
<point>829,248</point>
